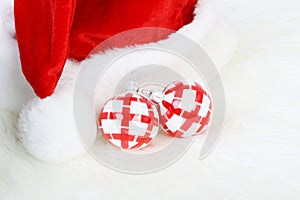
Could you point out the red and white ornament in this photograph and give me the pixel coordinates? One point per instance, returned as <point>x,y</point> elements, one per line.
<point>129,121</point>
<point>185,109</point>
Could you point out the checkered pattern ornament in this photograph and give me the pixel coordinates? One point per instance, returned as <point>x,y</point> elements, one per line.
<point>185,109</point>
<point>129,121</point>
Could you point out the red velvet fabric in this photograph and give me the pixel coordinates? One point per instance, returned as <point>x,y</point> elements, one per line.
<point>50,31</point>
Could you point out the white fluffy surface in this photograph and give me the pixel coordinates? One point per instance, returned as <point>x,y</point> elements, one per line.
<point>14,89</point>
<point>257,157</point>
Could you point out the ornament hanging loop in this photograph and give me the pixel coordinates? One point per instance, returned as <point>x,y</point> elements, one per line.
<point>133,86</point>
<point>153,95</point>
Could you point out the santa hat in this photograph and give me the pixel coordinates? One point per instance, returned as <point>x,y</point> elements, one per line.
<point>50,32</point>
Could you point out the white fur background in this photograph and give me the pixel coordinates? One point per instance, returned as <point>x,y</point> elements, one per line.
<point>257,157</point>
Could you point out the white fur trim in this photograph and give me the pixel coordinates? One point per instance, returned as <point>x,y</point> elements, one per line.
<point>212,33</point>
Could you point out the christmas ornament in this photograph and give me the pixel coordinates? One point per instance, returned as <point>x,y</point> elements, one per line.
<point>185,109</point>
<point>129,121</point>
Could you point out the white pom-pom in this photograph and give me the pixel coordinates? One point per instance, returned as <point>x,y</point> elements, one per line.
<point>46,127</point>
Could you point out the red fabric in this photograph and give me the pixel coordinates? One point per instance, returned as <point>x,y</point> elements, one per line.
<point>43,32</point>
<point>50,31</point>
